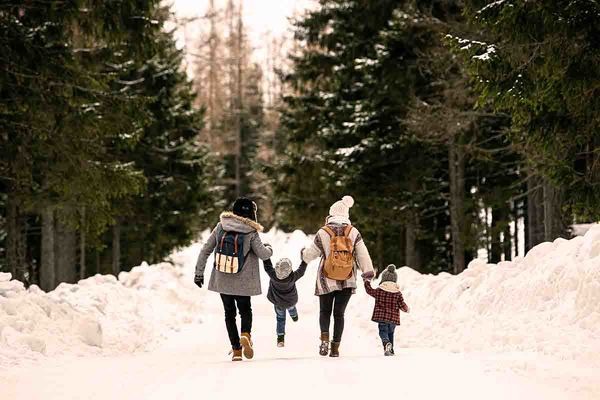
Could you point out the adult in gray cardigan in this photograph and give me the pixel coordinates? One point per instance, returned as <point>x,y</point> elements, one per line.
<point>334,295</point>
<point>236,288</point>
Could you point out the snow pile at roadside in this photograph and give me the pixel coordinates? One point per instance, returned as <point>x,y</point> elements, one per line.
<point>547,302</point>
<point>98,314</point>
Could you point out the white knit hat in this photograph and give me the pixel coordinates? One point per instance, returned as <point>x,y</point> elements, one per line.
<point>342,208</point>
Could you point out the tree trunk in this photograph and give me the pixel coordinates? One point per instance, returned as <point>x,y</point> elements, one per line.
<point>535,212</point>
<point>412,252</point>
<point>553,222</point>
<point>82,228</point>
<point>239,103</point>
<point>379,248</point>
<point>98,265</point>
<point>517,206</point>
<point>495,254</point>
<point>402,249</point>
<point>16,240</point>
<point>11,236</point>
<point>48,266</point>
<point>507,239</point>
<point>456,169</point>
<point>116,249</point>
<point>212,73</point>
<point>526,219</point>
<point>65,250</point>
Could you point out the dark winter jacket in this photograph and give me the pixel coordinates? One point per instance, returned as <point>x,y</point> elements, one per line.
<point>283,292</point>
<point>388,302</point>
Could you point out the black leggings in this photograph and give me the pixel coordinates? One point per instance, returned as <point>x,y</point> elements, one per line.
<point>336,302</point>
<point>245,308</point>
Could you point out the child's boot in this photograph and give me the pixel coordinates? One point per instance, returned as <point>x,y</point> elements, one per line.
<point>280,340</point>
<point>388,350</point>
<point>324,347</point>
<point>335,349</point>
<point>236,354</point>
<point>246,342</point>
<point>295,318</point>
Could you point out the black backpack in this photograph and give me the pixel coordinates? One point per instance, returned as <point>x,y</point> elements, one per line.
<point>229,253</point>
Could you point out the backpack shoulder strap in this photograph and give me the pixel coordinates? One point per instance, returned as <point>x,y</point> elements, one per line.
<point>329,231</point>
<point>348,230</point>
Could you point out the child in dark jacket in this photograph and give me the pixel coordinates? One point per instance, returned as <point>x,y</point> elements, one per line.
<point>388,303</point>
<point>283,293</point>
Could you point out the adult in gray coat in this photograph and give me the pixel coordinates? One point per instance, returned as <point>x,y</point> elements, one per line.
<point>237,288</point>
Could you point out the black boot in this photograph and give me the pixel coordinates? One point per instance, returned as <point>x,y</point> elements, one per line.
<point>280,340</point>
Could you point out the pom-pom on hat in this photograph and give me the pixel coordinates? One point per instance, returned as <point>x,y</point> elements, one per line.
<point>389,275</point>
<point>342,208</point>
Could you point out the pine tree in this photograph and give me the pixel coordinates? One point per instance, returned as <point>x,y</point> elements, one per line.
<point>230,89</point>
<point>60,119</point>
<point>381,108</point>
<point>176,200</point>
<point>538,62</point>
<point>94,108</point>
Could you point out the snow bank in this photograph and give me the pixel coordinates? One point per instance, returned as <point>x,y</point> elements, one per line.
<point>97,315</point>
<point>547,302</point>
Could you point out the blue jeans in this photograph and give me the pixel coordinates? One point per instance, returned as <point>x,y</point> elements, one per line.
<point>280,314</point>
<point>386,332</point>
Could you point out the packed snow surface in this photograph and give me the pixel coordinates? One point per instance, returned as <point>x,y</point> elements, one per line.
<point>530,324</point>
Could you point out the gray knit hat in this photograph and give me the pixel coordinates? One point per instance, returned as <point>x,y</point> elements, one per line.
<point>389,275</point>
<point>283,268</point>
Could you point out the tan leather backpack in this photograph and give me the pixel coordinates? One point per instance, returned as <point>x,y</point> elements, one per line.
<point>339,263</point>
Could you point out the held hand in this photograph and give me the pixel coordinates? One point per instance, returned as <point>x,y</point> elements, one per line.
<point>199,281</point>
<point>367,276</point>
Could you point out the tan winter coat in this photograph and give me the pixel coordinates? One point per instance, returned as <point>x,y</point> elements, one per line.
<point>320,248</point>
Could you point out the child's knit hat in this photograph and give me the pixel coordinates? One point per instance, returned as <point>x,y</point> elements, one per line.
<point>389,275</point>
<point>283,268</point>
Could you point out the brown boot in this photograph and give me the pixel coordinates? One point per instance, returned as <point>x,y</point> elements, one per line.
<point>335,349</point>
<point>324,347</point>
<point>237,355</point>
<point>246,342</point>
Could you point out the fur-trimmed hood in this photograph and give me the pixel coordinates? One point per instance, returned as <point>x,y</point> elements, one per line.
<point>235,223</point>
<point>391,287</point>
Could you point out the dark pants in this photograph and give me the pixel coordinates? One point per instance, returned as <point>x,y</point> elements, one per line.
<point>245,308</point>
<point>386,332</point>
<point>335,302</point>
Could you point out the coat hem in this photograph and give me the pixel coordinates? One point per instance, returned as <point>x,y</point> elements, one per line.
<point>234,294</point>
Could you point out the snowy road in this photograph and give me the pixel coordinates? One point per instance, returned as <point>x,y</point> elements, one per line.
<point>194,364</point>
<point>478,360</point>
